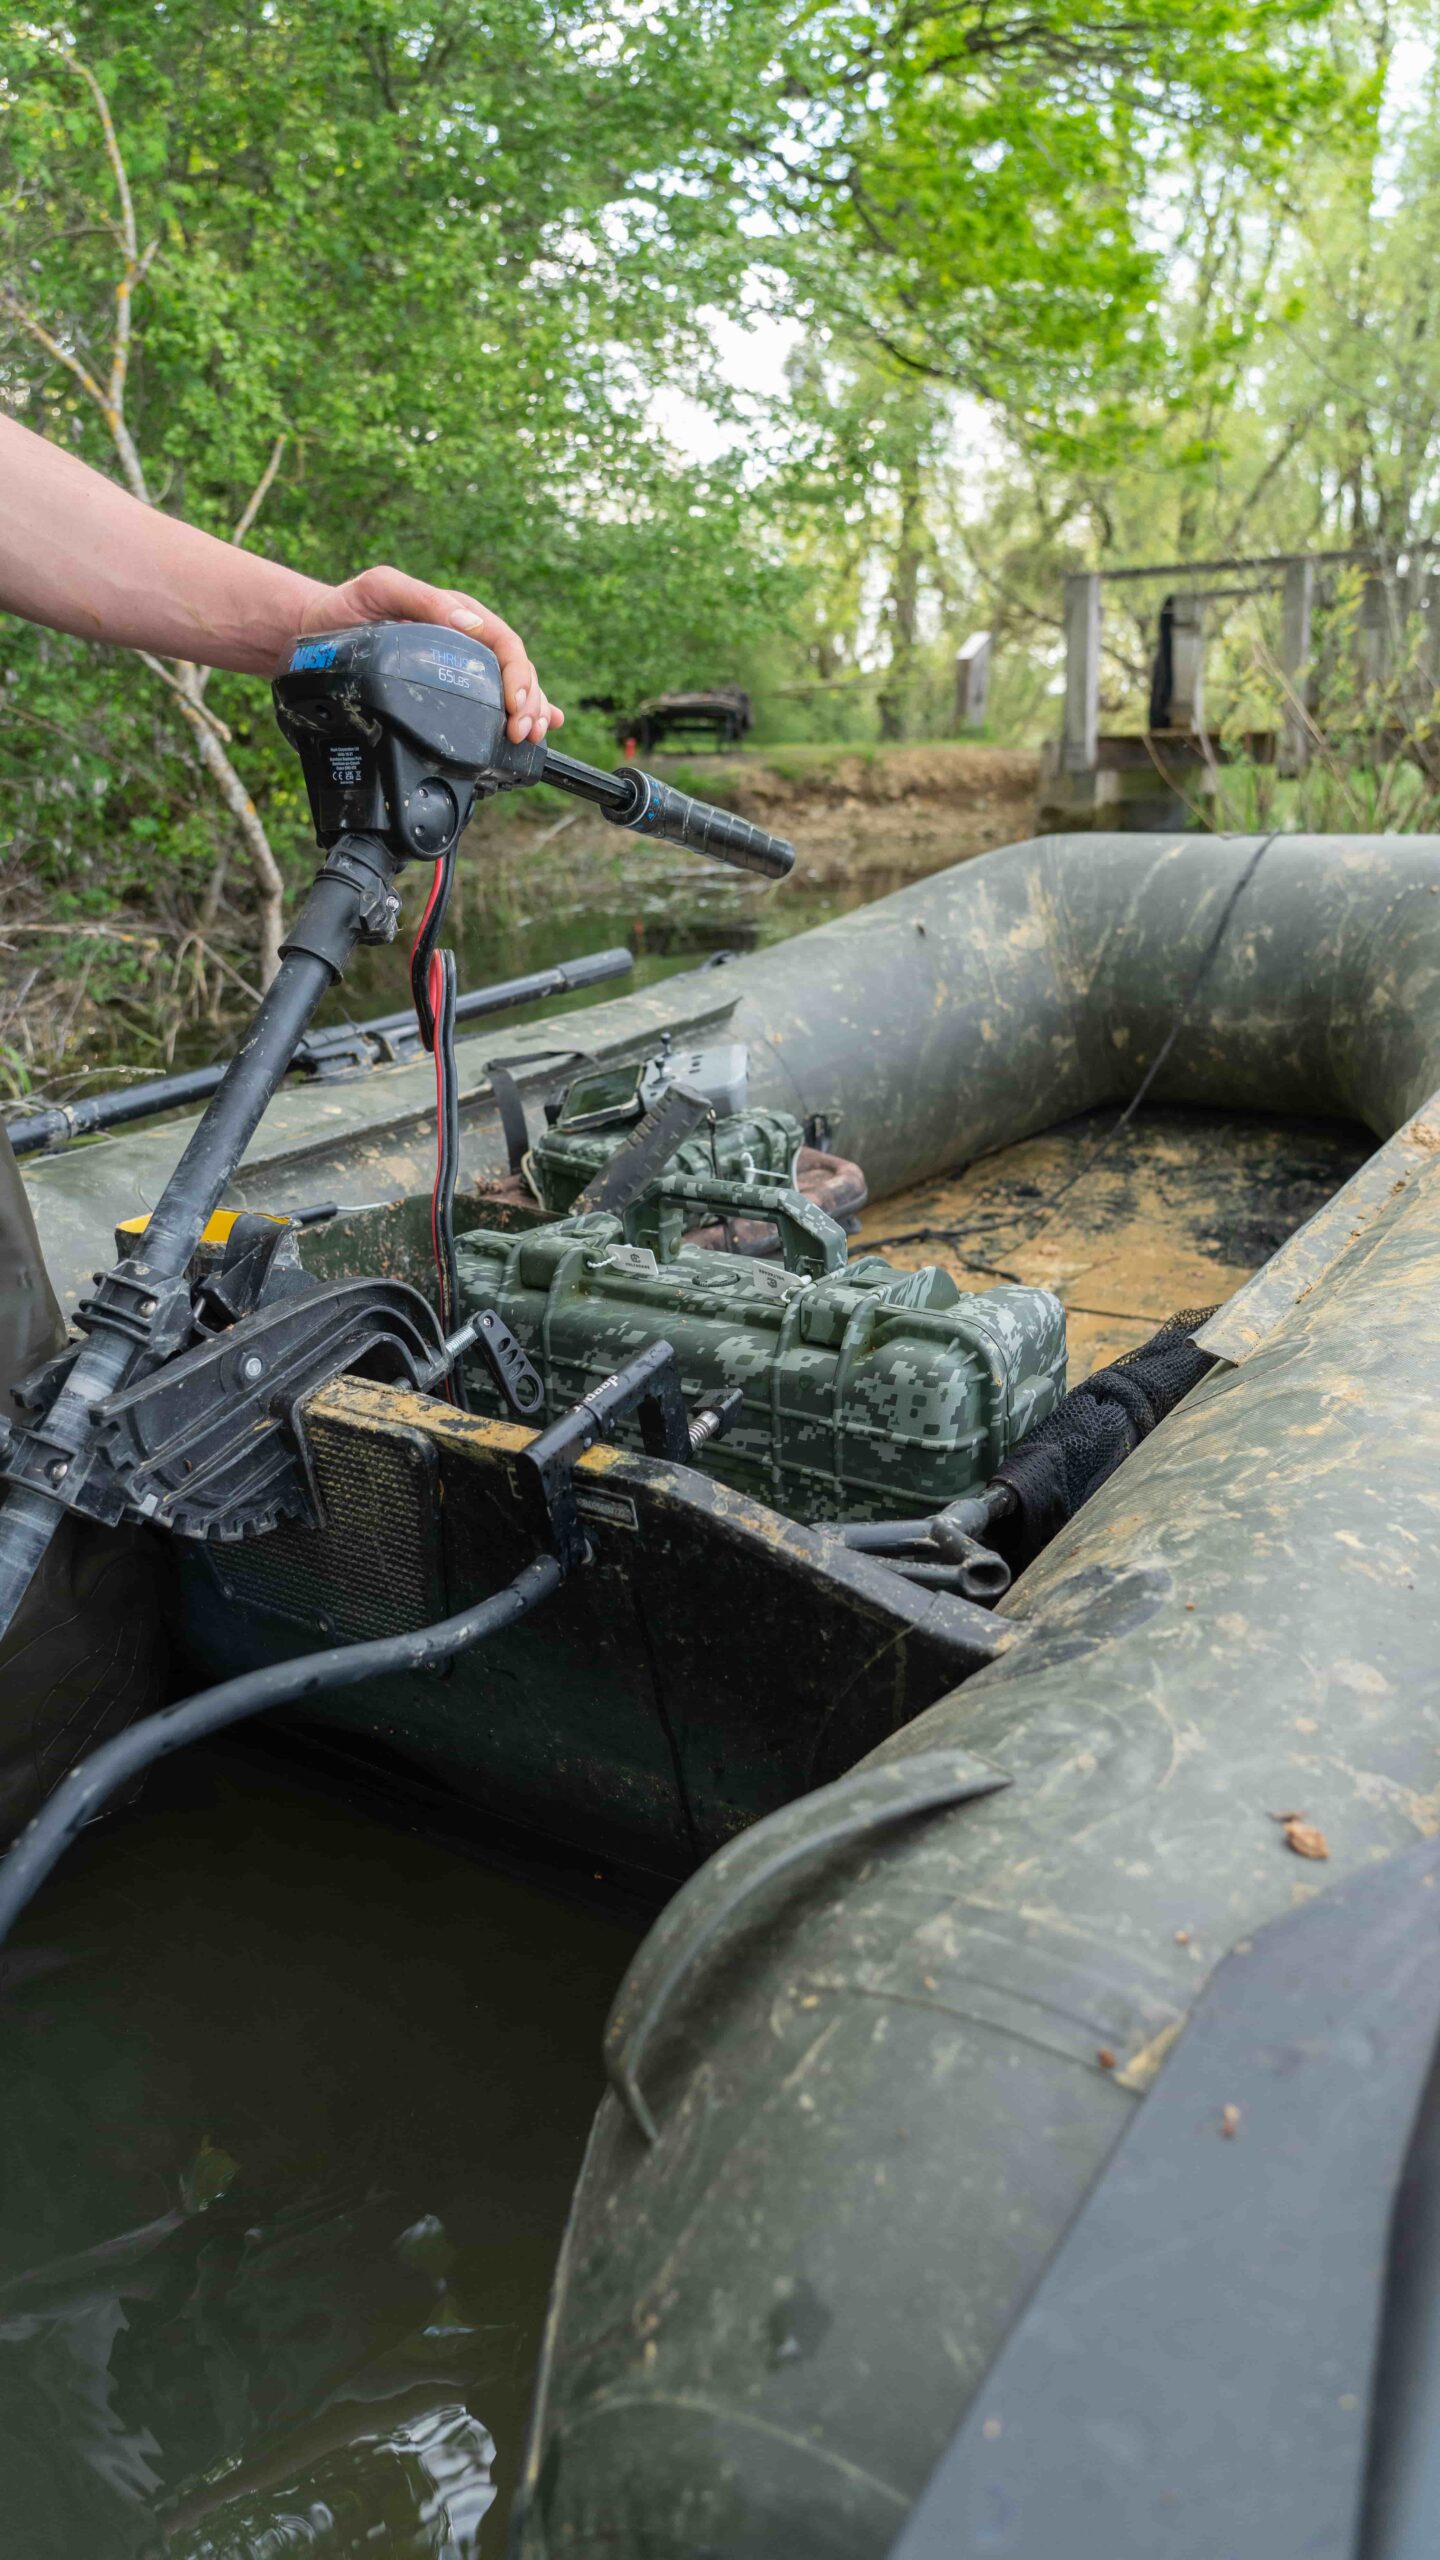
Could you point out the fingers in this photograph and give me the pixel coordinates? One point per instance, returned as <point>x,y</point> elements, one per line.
<point>390,595</point>
<point>531,714</point>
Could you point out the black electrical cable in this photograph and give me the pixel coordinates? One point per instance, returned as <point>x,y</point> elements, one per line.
<point>433,988</point>
<point>93,1781</point>
<point>422,950</point>
<point>447,1154</point>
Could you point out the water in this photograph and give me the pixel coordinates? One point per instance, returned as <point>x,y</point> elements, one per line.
<point>293,2104</point>
<point>519,910</point>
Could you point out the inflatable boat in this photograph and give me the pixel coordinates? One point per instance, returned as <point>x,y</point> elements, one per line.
<point>1009,2107</point>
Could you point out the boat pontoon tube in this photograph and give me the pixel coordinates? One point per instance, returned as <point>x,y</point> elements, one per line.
<point>888,2079</point>
<point>987,1002</point>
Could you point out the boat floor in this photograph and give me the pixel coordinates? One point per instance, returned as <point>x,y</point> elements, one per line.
<point>1126,1226</point>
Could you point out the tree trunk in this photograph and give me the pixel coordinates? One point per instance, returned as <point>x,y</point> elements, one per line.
<point>265,870</point>
<point>902,606</point>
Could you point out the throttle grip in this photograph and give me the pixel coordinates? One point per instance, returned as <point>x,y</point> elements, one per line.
<point>656,809</point>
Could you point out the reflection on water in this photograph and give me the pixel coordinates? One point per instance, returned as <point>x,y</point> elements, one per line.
<point>292,2105</point>
<point>524,911</point>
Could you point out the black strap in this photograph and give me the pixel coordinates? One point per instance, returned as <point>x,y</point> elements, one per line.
<point>507,1095</point>
<point>646,1152</point>
<point>512,1114</point>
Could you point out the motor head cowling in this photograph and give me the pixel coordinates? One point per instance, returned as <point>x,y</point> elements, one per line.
<point>398,726</point>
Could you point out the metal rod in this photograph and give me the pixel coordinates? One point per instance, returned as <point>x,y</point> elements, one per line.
<point>590,970</point>
<point>246,1086</point>
<point>39,1129</point>
<point>1274,560</point>
<point>585,781</point>
<point>346,896</point>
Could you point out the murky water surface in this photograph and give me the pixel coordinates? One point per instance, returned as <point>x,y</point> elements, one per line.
<point>292,2106</point>
<point>524,910</point>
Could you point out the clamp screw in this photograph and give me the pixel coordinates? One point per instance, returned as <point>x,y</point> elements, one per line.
<point>147,1306</point>
<point>58,1470</point>
<point>252,1367</point>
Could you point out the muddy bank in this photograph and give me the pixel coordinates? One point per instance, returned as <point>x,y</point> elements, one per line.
<point>540,881</point>
<point>863,812</point>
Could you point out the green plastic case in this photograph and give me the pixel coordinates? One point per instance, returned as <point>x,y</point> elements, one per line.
<point>868,1392</point>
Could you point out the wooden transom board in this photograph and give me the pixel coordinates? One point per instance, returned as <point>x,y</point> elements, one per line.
<point>712,1660</point>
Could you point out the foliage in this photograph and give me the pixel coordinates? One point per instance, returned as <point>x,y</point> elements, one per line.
<point>980,199</point>
<point>1303,408</point>
<point>449,253</point>
<point>446,261</point>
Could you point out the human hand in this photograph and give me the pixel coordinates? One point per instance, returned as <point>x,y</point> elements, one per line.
<point>388,595</point>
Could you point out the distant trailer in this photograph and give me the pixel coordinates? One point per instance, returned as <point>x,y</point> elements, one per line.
<point>722,715</point>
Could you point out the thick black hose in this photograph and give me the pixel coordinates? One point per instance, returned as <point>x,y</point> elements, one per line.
<point>90,1785</point>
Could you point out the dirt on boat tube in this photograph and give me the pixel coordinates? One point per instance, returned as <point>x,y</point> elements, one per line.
<point>881,2081</point>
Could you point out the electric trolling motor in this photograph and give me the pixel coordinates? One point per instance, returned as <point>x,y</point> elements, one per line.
<point>400,728</point>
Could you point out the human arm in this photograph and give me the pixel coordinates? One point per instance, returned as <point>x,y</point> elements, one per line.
<point>79,554</point>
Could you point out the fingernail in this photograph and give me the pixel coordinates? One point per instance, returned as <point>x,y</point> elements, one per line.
<point>522,696</point>
<point>522,732</point>
<point>540,728</point>
<point>468,621</point>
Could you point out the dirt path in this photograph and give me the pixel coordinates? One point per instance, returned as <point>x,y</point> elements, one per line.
<point>894,811</point>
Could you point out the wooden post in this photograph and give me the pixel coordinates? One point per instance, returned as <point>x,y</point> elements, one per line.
<point>972,681</point>
<point>1080,737</point>
<point>1374,635</point>
<point>1187,663</point>
<point>1297,616</point>
<point>1430,635</point>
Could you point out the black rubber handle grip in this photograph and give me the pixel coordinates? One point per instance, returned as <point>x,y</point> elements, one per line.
<point>655,809</point>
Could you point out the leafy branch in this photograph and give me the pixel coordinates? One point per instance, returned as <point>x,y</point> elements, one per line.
<point>185,681</point>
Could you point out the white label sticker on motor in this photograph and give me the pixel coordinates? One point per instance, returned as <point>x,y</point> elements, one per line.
<point>772,1282</point>
<point>634,1258</point>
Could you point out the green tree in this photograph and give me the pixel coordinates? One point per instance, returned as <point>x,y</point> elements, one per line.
<point>979,195</point>
<point>410,282</point>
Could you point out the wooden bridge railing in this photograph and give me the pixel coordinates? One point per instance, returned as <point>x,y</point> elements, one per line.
<point>1165,775</point>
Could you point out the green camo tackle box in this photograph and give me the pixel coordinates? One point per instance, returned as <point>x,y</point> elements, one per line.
<point>868,1392</point>
<point>563,1161</point>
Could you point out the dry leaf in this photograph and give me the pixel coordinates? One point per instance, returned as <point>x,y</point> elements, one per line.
<point>1230,2122</point>
<point>1105,2058</point>
<point>1306,1839</point>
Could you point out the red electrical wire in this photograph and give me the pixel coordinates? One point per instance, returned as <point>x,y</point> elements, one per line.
<point>432,983</point>
<point>439,885</point>
<point>435,994</point>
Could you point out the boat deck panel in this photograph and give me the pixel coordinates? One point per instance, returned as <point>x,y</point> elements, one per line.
<point>1175,1211</point>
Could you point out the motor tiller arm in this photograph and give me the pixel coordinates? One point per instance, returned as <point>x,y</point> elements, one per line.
<point>400,728</point>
